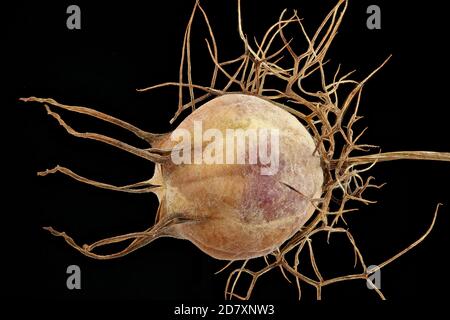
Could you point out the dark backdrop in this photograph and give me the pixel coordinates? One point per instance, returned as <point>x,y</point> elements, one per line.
<point>130,45</point>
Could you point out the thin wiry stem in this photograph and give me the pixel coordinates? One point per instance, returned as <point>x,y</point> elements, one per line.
<point>139,187</point>
<point>147,136</point>
<point>160,229</point>
<point>399,155</point>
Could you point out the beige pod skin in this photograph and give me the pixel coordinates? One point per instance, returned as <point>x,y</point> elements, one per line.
<point>241,213</point>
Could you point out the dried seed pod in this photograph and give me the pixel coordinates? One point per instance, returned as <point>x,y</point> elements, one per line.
<point>242,212</point>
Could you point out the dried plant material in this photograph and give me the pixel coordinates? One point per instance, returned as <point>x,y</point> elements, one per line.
<point>328,117</point>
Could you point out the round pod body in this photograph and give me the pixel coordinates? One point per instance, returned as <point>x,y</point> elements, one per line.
<point>243,206</point>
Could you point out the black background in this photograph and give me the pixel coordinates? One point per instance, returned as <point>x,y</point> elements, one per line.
<point>130,45</point>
